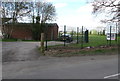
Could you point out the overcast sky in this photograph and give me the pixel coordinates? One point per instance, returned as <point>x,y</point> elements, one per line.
<point>75,13</point>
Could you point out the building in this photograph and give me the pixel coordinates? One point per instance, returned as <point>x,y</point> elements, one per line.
<point>24,31</point>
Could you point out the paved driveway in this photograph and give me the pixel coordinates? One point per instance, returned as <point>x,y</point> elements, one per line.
<point>21,51</point>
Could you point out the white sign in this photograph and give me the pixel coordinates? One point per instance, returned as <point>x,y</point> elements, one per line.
<point>113,30</point>
<point>113,36</point>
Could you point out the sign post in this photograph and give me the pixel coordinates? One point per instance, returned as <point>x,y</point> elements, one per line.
<point>82,39</point>
<point>77,34</point>
<point>111,34</point>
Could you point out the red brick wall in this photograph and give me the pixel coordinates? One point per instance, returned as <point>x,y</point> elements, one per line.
<point>22,33</point>
<point>25,33</point>
<point>55,33</point>
<point>52,33</point>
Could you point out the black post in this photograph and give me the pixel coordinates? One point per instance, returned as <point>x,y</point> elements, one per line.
<point>82,39</point>
<point>77,34</point>
<point>86,36</point>
<point>64,33</point>
<point>46,43</point>
<point>107,43</point>
<point>110,35</point>
<point>46,38</point>
<point>116,33</point>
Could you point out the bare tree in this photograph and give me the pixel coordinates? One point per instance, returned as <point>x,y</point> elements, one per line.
<point>14,11</point>
<point>45,12</point>
<point>110,7</point>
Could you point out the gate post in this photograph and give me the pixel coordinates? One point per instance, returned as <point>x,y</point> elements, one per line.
<point>86,36</point>
<point>42,42</point>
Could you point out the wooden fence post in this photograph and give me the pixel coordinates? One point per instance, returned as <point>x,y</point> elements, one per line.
<point>42,42</point>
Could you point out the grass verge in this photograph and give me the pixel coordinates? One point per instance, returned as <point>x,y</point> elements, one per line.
<point>67,52</point>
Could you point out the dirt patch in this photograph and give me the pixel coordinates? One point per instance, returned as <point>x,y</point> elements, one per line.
<point>14,55</point>
<point>8,56</point>
<point>73,51</point>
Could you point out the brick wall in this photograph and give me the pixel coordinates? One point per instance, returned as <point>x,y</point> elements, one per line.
<point>52,32</point>
<point>24,32</point>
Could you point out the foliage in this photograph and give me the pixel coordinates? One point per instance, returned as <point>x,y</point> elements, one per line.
<point>37,29</point>
<point>94,32</point>
<point>73,33</point>
<point>8,40</point>
<point>36,32</point>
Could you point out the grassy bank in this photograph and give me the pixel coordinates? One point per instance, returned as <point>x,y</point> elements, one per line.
<point>109,51</point>
<point>97,45</point>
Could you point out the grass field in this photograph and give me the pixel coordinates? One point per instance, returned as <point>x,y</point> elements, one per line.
<point>96,40</point>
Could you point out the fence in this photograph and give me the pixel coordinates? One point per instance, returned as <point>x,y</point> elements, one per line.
<point>82,37</point>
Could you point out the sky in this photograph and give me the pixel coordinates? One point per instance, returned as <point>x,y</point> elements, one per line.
<point>75,13</point>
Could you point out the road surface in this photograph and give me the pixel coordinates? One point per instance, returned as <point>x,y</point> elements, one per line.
<point>26,63</point>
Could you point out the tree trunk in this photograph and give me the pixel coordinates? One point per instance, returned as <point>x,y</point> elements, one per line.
<point>42,42</point>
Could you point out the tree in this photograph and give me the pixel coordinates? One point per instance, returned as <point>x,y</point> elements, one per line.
<point>45,12</point>
<point>110,7</point>
<point>14,11</point>
<point>42,13</point>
